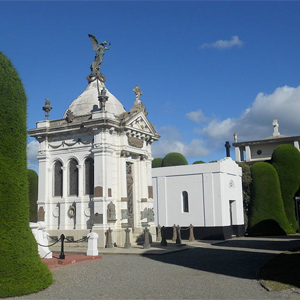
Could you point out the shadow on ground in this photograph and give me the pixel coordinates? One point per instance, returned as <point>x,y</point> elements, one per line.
<point>232,261</point>
<point>283,268</point>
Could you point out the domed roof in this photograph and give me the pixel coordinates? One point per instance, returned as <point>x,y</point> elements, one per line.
<point>88,101</point>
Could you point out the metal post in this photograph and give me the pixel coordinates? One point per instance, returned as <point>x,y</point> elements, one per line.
<point>178,239</point>
<point>192,237</point>
<point>62,254</point>
<point>163,237</point>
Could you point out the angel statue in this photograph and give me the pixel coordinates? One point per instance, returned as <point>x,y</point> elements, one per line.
<point>99,48</point>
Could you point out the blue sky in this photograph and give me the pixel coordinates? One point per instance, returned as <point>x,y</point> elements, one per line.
<point>206,69</point>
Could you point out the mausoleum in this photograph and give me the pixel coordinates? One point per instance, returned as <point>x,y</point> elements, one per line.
<point>208,196</point>
<point>95,163</point>
<point>262,150</point>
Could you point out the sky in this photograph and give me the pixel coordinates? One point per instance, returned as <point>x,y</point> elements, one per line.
<point>207,69</point>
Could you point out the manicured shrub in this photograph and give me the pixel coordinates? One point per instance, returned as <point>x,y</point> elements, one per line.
<point>198,162</point>
<point>174,159</point>
<point>286,161</point>
<point>266,211</point>
<point>21,269</point>
<point>157,162</point>
<point>246,182</point>
<point>33,194</point>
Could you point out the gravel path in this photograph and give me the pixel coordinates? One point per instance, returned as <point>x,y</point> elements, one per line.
<point>224,271</point>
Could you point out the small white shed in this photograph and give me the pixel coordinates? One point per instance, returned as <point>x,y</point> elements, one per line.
<point>208,196</point>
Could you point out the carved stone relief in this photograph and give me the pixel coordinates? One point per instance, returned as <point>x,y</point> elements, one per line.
<point>111,212</point>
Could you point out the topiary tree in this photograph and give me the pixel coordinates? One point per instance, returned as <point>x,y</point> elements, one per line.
<point>198,162</point>
<point>174,159</point>
<point>266,211</point>
<point>286,161</point>
<point>246,182</point>
<point>21,269</point>
<point>157,162</point>
<point>33,194</point>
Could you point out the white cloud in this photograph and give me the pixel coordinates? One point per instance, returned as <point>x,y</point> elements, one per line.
<point>256,121</point>
<point>171,141</point>
<point>225,44</point>
<point>32,151</point>
<point>197,116</point>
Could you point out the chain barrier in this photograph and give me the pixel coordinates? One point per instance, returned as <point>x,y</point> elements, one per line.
<point>49,245</point>
<point>63,239</point>
<point>78,241</point>
<point>183,229</point>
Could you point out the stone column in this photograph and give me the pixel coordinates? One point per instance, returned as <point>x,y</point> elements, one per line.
<point>80,180</point>
<point>237,151</point>
<point>248,153</point>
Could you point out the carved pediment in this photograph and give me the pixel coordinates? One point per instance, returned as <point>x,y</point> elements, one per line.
<point>141,124</point>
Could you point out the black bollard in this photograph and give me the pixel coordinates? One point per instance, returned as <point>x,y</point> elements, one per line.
<point>163,237</point>
<point>62,254</point>
<point>178,239</point>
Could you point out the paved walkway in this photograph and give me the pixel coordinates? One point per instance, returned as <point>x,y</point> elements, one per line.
<point>225,270</point>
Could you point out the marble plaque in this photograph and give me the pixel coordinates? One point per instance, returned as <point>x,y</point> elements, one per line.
<point>97,218</point>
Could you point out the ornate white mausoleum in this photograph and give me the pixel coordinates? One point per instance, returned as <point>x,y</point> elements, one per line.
<point>95,164</point>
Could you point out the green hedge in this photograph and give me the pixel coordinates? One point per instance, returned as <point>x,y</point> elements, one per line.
<point>21,269</point>
<point>246,184</point>
<point>174,159</point>
<point>286,161</point>
<point>157,162</point>
<point>266,211</point>
<point>198,162</point>
<point>33,194</point>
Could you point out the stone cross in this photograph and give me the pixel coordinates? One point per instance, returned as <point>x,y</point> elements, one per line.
<point>138,93</point>
<point>227,146</point>
<point>276,126</point>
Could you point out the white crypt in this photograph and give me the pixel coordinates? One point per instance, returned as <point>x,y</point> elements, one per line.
<point>95,164</point>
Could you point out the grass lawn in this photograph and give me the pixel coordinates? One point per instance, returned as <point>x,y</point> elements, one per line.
<point>282,271</point>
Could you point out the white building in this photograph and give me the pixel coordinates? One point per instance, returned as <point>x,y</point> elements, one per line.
<point>208,196</point>
<point>262,150</point>
<point>95,166</point>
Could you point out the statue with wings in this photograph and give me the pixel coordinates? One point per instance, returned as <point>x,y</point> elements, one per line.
<point>100,49</point>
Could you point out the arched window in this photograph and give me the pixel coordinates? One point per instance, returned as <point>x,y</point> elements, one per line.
<point>58,179</point>
<point>73,178</point>
<point>185,201</point>
<point>89,176</point>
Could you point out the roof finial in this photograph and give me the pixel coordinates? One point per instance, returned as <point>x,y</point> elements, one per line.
<point>235,137</point>
<point>138,93</point>
<point>96,64</point>
<point>276,126</point>
<point>46,108</point>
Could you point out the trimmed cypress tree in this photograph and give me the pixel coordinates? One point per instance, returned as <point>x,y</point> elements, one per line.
<point>21,269</point>
<point>198,162</point>
<point>286,161</point>
<point>33,194</point>
<point>157,162</point>
<point>246,183</point>
<point>174,159</point>
<point>266,215</point>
